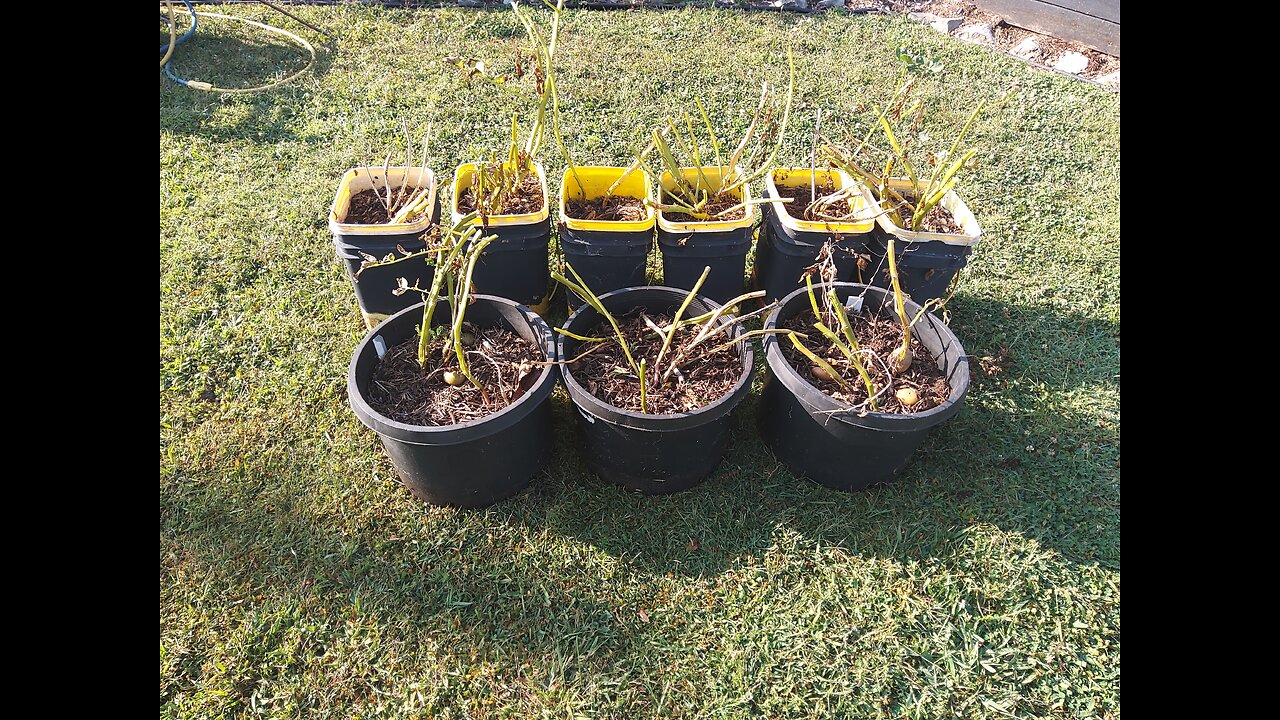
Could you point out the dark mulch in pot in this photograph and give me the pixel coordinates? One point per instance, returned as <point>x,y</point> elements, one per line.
<point>367,207</point>
<point>614,207</point>
<point>712,208</point>
<point>527,198</point>
<point>606,374</point>
<point>938,220</point>
<point>501,361</point>
<point>799,206</point>
<point>881,335</point>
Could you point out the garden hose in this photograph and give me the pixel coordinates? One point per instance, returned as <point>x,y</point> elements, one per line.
<point>173,36</point>
<point>209,87</point>
<point>174,39</point>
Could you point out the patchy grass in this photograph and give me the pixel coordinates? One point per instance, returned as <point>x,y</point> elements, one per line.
<point>298,579</point>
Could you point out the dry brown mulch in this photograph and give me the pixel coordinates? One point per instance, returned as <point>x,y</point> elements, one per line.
<point>606,374</point>
<point>501,361</point>
<point>367,206</point>
<point>613,208</point>
<point>939,220</point>
<point>799,205</point>
<point>1009,36</point>
<point>713,207</point>
<point>527,198</point>
<point>880,335</point>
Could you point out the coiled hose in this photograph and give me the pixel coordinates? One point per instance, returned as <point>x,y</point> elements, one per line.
<point>166,61</point>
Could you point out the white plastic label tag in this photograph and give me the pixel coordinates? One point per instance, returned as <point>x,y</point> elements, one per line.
<point>379,346</point>
<point>854,304</point>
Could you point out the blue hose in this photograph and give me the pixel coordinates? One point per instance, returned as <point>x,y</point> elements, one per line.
<point>168,67</point>
<point>186,35</point>
<point>209,87</point>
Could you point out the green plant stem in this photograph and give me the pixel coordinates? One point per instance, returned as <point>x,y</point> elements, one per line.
<point>813,299</point>
<point>576,336</point>
<point>746,336</point>
<point>715,142</point>
<point>460,311</point>
<point>444,261</point>
<point>898,153</point>
<point>555,126</point>
<point>782,130</point>
<point>697,155</point>
<point>680,188</point>
<point>845,326</point>
<point>583,291</point>
<point>675,321</point>
<point>644,400</point>
<point>639,163</point>
<point>709,328</point>
<point>902,356</point>
<point>853,360</point>
<point>826,366</point>
<point>751,129</point>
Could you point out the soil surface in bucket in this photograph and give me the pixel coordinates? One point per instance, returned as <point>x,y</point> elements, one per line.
<point>501,361</point>
<point>833,211</point>
<point>880,336</point>
<point>527,198</point>
<point>712,208</point>
<point>704,377</point>
<point>613,208</point>
<point>938,220</point>
<point>369,208</point>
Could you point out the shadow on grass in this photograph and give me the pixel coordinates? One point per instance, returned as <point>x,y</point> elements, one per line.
<point>1028,453</point>
<point>525,576</point>
<point>272,551</point>
<point>233,62</point>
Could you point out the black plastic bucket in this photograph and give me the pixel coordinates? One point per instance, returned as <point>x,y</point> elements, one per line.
<point>374,286</point>
<point>651,454</point>
<point>685,255</point>
<point>783,253</point>
<point>819,437</point>
<point>475,463</point>
<point>925,267</point>
<point>606,261</point>
<point>514,265</point>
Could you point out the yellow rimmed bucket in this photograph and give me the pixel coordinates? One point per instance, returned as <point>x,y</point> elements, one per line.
<point>927,261</point>
<point>788,245</point>
<point>352,241</point>
<point>514,265</point>
<point>608,254</point>
<point>690,246</point>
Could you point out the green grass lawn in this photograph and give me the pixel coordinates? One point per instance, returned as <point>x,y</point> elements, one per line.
<point>298,579</point>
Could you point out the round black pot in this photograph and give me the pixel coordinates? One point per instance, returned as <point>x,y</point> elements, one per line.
<point>469,464</point>
<point>821,438</point>
<point>651,454</point>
